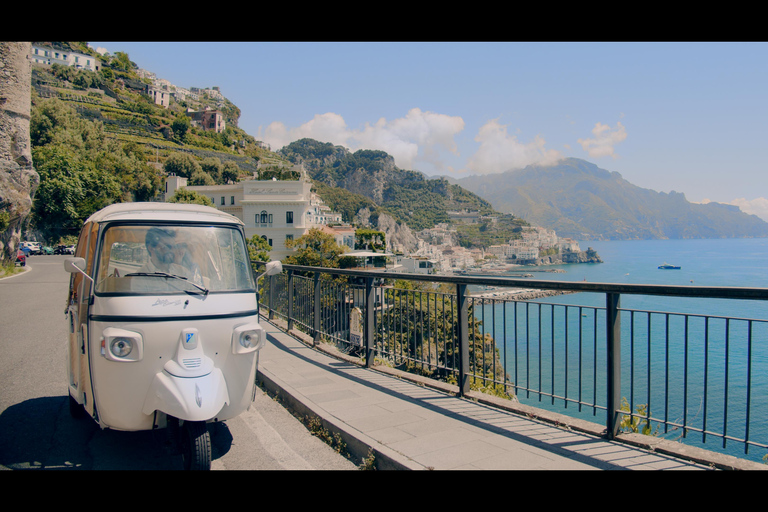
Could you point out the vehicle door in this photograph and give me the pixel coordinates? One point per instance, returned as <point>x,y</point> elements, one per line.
<point>80,292</point>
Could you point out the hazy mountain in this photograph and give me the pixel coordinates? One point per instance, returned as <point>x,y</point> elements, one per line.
<point>580,200</point>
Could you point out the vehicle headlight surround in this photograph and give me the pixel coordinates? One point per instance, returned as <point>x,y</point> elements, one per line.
<point>121,345</point>
<point>248,338</point>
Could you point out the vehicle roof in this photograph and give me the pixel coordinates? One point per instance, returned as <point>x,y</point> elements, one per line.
<point>180,212</point>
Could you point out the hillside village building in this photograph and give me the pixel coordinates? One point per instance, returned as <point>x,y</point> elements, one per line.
<point>208,119</point>
<point>159,95</point>
<point>51,55</point>
<point>274,210</point>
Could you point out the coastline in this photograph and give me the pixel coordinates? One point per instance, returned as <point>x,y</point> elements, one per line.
<point>520,294</point>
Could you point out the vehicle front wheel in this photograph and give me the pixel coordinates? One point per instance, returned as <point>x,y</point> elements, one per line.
<point>196,446</point>
<point>76,410</point>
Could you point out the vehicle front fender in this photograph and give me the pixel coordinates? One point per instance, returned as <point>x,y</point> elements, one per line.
<point>187,398</point>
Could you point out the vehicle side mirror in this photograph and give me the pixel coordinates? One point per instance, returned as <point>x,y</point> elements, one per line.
<point>74,265</point>
<point>274,267</point>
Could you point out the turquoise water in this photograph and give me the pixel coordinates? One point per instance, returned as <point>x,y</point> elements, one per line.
<point>703,365</point>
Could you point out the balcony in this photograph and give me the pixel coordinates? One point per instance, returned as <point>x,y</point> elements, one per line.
<point>633,358</point>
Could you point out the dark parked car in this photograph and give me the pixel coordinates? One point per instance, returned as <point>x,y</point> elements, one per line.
<point>21,258</point>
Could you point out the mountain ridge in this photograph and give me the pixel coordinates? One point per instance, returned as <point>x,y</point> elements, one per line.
<point>373,182</point>
<point>580,200</point>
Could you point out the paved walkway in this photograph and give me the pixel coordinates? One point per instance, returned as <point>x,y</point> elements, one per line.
<point>409,426</point>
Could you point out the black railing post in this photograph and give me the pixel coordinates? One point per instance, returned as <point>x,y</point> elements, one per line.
<point>271,297</point>
<point>463,306</point>
<point>368,335</point>
<point>316,310</point>
<point>613,351</point>
<point>290,300</point>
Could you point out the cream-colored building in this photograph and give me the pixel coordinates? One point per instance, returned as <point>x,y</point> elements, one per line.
<point>274,210</point>
<point>52,55</point>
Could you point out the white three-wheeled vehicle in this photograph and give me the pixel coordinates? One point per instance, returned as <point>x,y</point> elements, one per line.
<point>163,323</point>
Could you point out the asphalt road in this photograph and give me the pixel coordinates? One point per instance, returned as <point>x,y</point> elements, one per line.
<point>37,431</point>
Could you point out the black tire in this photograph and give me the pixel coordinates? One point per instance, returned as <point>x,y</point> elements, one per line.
<point>173,435</point>
<point>76,410</point>
<point>196,446</point>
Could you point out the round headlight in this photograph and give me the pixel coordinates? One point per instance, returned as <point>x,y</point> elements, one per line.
<point>121,347</point>
<point>249,339</point>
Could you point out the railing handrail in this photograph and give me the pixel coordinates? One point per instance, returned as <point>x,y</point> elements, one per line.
<point>463,330</point>
<point>710,292</point>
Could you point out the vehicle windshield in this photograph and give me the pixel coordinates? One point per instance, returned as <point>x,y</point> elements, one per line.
<point>160,259</point>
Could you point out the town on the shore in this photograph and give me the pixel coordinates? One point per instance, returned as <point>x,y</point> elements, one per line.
<point>280,210</point>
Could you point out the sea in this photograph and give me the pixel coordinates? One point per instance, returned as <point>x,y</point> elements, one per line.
<point>714,371</point>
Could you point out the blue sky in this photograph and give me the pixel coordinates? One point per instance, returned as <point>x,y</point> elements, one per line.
<point>690,117</point>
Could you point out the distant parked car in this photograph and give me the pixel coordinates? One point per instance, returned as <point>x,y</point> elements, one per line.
<point>46,250</point>
<point>26,250</point>
<point>35,247</point>
<point>21,258</point>
<point>64,249</point>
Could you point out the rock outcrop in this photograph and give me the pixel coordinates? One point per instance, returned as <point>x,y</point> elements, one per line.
<point>399,236</point>
<point>588,256</point>
<point>18,179</point>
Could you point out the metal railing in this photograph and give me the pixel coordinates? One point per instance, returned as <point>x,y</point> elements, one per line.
<point>687,374</point>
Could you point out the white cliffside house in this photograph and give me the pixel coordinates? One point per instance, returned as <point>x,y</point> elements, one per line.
<point>159,95</point>
<point>274,210</point>
<point>52,55</point>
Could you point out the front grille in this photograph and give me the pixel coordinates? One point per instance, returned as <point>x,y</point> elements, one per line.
<point>192,363</point>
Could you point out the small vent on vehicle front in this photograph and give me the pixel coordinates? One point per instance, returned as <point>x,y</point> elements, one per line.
<point>192,363</point>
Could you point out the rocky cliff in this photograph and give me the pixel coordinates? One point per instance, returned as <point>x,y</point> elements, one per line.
<point>398,235</point>
<point>18,179</point>
<point>588,256</point>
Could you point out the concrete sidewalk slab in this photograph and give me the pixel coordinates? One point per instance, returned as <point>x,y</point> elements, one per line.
<point>408,426</point>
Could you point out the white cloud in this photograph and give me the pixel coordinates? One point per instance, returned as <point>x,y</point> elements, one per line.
<point>417,137</point>
<point>327,127</point>
<point>757,206</point>
<point>499,151</point>
<point>604,140</point>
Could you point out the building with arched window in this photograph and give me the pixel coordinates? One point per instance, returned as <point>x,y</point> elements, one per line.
<point>274,210</point>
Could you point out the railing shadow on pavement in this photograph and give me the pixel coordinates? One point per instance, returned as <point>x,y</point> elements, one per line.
<point>640,374</point>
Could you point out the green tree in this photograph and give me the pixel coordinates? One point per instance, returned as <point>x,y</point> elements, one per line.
<point>258,248</point>
<point>230,172</point>
<point>200,177</point>
<point>181,126</point>
<point>122,62</point>
<point>46,118</point>
<point>71,189</point>
<point>69,154</point>
<point>181,164</point>
<point>315,249</point>
<point>183,195</point>
<point>212,166</point>
<point>139,181</point>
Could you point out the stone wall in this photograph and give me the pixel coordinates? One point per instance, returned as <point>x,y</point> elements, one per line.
<point>18,179</point>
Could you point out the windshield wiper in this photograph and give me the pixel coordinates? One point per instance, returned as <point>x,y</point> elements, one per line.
<point>164,274</point>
